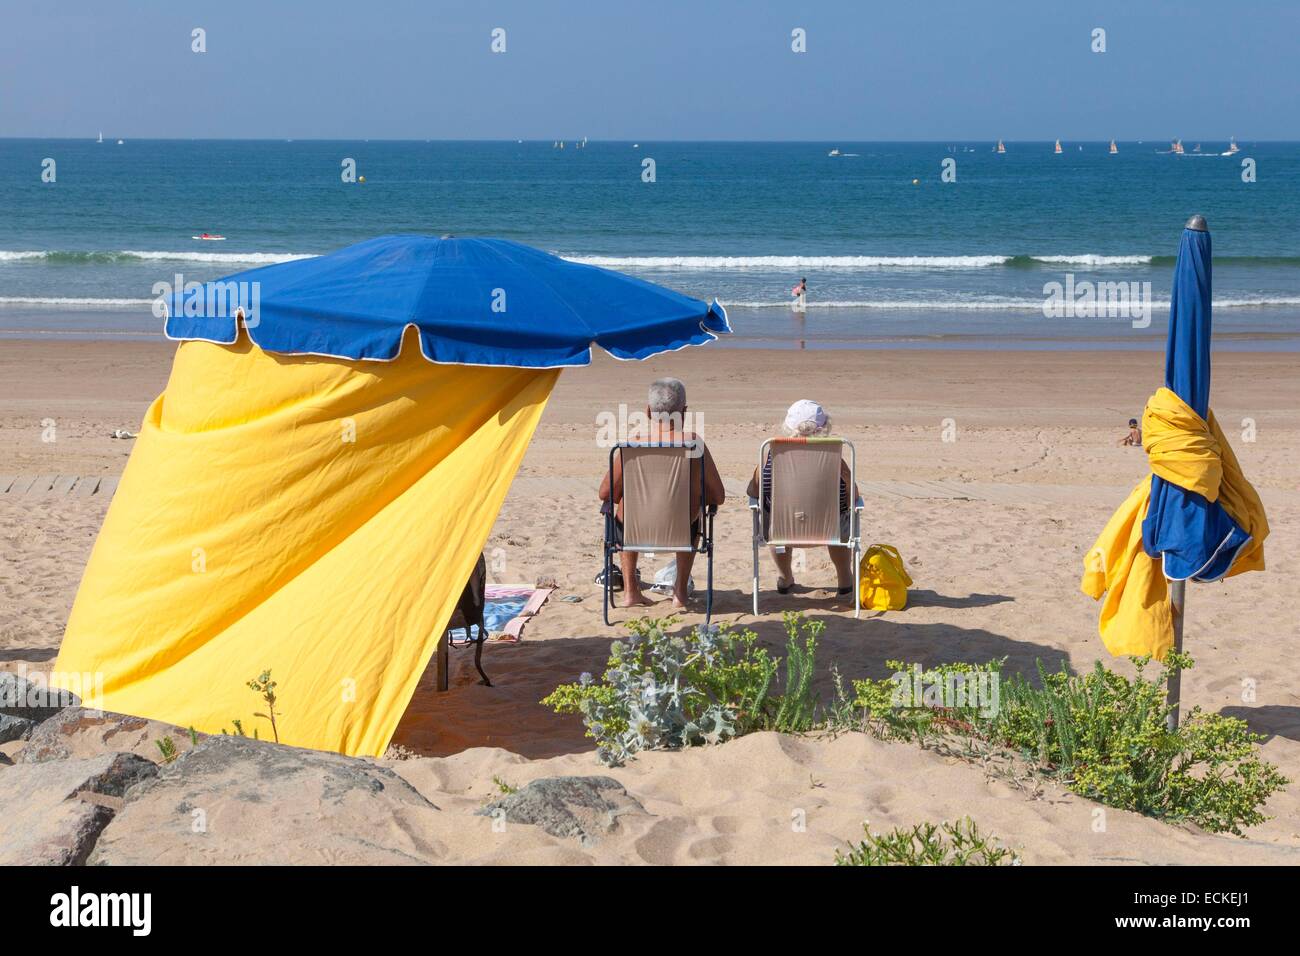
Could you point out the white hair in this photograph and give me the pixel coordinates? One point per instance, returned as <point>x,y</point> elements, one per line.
<point>667,396</point>
<point>809,428</point>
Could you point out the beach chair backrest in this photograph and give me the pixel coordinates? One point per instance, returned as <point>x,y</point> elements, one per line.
<point>656,497</point>
<point>805,491</point>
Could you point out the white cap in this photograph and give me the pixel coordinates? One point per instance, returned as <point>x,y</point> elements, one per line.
<point>805,411</point>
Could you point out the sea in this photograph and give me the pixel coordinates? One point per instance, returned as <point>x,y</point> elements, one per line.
<point>903,245</point>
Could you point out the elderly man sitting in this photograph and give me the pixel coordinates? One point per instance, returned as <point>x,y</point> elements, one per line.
<point>666,424</point>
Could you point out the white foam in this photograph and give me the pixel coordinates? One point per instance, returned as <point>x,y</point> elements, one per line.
<point>705,263</point>
<point>258,258</point>
<point>8,256</point>
<point>1089,259</point>
<point>71,300</point>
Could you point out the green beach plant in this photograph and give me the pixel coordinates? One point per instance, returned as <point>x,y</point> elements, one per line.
<point>266,687</point>
<point>948,844</point>
<point>666,691</point>
<point>1105,737</point>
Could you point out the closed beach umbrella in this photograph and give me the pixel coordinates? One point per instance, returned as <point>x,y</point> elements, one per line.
<point>313,488</point>
<point>1195,517</point>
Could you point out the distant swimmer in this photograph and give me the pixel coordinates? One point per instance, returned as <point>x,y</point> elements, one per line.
<point>800,295</point>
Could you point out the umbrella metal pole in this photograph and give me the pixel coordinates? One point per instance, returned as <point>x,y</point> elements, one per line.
<point>1177,598</point>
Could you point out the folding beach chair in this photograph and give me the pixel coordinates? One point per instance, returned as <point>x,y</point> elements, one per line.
<point>468,613</point>
<point>657,515</point>
<point>805,494</point>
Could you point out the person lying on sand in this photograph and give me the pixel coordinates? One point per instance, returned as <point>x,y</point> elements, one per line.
<point>1134,436</point>
<point>804,420</point>
<point>666,417</point>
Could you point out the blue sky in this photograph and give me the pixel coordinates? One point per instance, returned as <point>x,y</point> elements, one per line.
<point>932,70</point>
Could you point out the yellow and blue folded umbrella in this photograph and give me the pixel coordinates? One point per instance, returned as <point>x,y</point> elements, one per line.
<point>1196,517</point>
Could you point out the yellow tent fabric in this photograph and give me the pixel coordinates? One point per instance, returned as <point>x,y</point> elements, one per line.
<point>315,517</point>
<point>1136,618</point>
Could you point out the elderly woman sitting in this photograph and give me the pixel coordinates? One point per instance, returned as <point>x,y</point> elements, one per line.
<point>807,419</point>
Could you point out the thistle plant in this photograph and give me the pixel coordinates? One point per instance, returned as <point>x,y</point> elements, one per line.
<point>665,691</point>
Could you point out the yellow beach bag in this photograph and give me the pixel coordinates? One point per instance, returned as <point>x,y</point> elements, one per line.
<point>883,579</point>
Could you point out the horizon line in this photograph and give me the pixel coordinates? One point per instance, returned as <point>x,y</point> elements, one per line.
<point>535,139</point>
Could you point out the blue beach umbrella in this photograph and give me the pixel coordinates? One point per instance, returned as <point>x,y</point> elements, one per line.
<point>473,301</point>
<point>1194,539</point>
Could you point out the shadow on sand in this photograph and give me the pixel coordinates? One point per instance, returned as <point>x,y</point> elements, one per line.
<point>509,715</point>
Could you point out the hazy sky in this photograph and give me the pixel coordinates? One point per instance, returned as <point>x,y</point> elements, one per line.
<point>908,69</point>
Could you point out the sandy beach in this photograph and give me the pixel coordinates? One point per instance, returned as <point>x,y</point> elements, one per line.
<point>993,525</point>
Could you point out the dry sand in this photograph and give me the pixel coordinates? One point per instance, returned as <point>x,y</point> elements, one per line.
<point>996,574</point>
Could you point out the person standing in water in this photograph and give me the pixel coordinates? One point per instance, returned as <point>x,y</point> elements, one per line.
<point>800,293</point>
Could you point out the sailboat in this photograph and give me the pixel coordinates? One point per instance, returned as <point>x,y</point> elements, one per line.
<point>1002,148</point>
<point>1233,148</point>
<point>1176,147</point>
<point>1113,148</point>
<point>101,137</point>
<point>1058,147</point>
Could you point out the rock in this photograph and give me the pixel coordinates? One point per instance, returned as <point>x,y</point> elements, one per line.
<point>51,814</point>
<point>568,806</point>
<point>76,732</point>
<point>232,800</point>
<point>15,728</point>
<point>30,700</point>
<point>5,760</point>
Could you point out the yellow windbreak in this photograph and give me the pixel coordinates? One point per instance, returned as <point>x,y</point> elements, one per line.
<point>314,517</point>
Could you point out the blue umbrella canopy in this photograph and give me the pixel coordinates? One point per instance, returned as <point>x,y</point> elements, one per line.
<point>473,301</point>
<point>1197,538</point>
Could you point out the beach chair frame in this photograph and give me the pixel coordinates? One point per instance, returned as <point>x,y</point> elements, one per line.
<point>702,545</point>
<point>854,542</point>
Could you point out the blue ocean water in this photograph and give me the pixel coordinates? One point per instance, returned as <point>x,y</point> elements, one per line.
<point>887,260</point>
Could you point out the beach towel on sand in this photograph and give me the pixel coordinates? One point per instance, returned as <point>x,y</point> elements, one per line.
<point>1188,451</point>
<point>314,517</point>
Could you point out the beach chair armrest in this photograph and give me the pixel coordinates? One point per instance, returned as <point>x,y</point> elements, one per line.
<point>859,504</point>
<point>753,504</point>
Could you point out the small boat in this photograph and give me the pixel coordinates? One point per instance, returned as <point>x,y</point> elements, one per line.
<point>1176,147</point>
<point>833,152</point>
<point>1113,148</point>
<point>1232,149</point>
<point>101,137</point>
<point>1058,147</point>
<point>1002,147</point>
<point>208,237</point>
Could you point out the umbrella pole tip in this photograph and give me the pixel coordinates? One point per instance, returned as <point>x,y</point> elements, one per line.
<point>1198,223</point>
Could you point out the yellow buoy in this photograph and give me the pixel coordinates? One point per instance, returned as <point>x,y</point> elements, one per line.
<point>361,179</point>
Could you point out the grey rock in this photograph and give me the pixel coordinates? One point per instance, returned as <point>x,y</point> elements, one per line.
<point>52,813</point>
<point>20,697</point>
<point>5,760</point>
<point>77,732</point>
<point>582,807</point>
<point>233,800</point>
<point>15,728</point>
